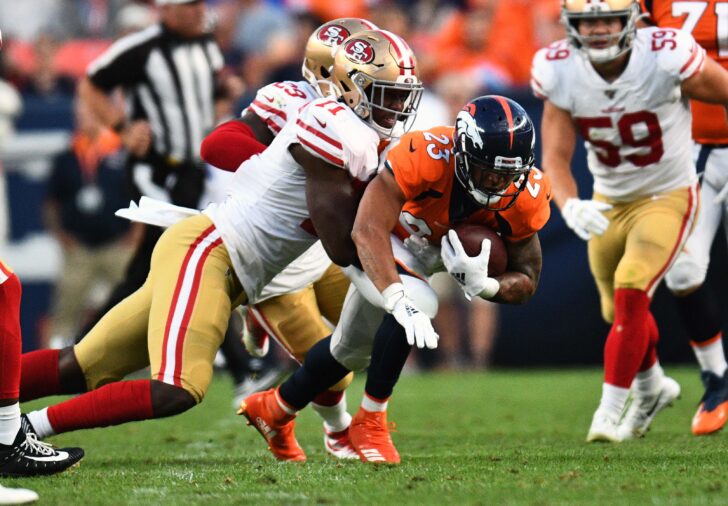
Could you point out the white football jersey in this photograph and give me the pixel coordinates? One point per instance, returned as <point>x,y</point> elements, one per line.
<point>637,128</point>
<point>276,102</point>
<point>264,222</point>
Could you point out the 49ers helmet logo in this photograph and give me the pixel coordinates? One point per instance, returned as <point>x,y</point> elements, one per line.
<point>359,51</point>
<point>332,35</point>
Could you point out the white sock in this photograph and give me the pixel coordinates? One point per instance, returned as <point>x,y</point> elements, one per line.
<point>711,357</point>
<point>647,382</point>
<point>41,423</point>
<point>613,399</point>
<point>9,423</point>
<point>335,417</point>
<point>285,407</point>
<point>371,404</point>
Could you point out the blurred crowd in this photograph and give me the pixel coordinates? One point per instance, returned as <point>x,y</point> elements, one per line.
<point>465,48</point>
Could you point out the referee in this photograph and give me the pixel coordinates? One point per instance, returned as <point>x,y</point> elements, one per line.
<point>169,76</point>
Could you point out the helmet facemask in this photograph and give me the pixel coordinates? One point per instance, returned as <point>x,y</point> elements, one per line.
<point>621,42</point>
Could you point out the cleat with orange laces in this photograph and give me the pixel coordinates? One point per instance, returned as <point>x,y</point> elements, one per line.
<point>339,444</point>
<point>713,410</point>
<point>369,434</point>
<point>275,425</point>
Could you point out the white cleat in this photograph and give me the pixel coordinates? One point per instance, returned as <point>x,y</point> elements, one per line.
<point>604,428</point>
<point>339,445</point>
<point>17,495</point>
<point>642,410</point>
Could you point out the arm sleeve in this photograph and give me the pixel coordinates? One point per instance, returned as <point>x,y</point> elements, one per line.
<point>229,145</point>
<point>683,60</point>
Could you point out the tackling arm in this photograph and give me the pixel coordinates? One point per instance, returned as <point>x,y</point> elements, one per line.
<point>233,142</point>
<point>332,202</point>
<point>519,283</point>
<point>376,218</point>
<point>558,135</point>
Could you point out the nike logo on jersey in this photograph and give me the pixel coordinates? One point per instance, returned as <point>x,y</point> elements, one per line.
<point>269,99</point>
<point>56,457</point>
<point>412,148</point>
<point>322,123</point>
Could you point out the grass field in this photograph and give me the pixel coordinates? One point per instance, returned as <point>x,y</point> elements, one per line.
<point>503,437</point>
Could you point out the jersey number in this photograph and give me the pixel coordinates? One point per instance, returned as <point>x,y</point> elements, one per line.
<point>290,89</point>
<point>662,39</point>
<point>414,225</point>
<point>695,11</point>
<point>608,153</point>
<point>331,106</point>
<point>436,152</point>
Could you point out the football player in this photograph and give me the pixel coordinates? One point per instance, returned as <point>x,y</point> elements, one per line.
<point>481,171</point>
<point>625,91</point>
<point>209,263</point>
<point>686,278</point>
<point>292,307</point>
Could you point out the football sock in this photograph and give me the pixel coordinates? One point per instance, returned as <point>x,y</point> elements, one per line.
<point>710,355</point>
<point>39,375</point>
<point>649,381</point>
<point>10,337</point>
<point>331,407</point>
<point>319,371</point>
<point>370,403</point>
<point>9,423</point>
<point>654,337</point>
<point>700,315</point>
<point>389,354</point>
<point>613,399</point>
<point>628,339</point>
<point>41,424</point>
<point>112,404</point>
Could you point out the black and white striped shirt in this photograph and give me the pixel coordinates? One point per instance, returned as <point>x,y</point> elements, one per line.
<point>169,81</point>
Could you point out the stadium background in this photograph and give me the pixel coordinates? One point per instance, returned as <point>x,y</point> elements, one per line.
<point>479,45</point>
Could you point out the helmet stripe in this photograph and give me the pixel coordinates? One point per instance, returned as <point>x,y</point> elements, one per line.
<point>509,115</point>
<point>402,50</point>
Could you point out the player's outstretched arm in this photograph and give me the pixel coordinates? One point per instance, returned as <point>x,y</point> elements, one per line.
<point>376,218</point>
<point>332,202</point>
<point>709,85</point>
<point>519,282</point>
<point>233,142</point>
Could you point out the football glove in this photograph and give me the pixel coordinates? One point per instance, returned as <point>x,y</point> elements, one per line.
<point>470,272</point>
<point>417,325</point>
<point>427,254</point>
<point>585,217</point>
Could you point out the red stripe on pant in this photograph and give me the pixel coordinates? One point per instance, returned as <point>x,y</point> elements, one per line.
<point>10,337</point>
<point>175,297</point>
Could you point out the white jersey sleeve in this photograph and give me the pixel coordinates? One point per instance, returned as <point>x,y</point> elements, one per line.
<point>547,68</point>
<point>275,102</point>
<point>333,132</point>
<point>677,52</point>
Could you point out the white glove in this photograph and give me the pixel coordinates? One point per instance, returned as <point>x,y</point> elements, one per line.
<point>470,272</point>
<point>585,217</point>
<point>427,254</point>
<point>416,324</point>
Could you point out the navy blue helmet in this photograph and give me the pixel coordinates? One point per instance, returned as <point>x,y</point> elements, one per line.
<point>494,141</point>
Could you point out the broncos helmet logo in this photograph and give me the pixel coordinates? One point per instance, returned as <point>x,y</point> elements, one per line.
<point>465,125</point>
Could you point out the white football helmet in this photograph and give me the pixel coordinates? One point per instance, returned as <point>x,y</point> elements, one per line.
<point>373,70</point>
<point>319,55</point>
<point>572,11</point>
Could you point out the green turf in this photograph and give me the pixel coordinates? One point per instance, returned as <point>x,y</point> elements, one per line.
<point>505,437</point>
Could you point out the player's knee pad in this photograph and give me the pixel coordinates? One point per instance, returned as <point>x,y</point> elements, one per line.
<point>343,384</point>
<point>686,273</point>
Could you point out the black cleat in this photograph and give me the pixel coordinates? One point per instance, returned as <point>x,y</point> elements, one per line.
<point>28,456</point>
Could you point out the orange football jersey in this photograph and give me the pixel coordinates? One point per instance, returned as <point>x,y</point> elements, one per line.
<point>424,166</point>
<point>707,20</point>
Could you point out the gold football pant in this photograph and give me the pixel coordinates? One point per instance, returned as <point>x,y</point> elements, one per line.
<point>296,320</point>
<point>176,321</point>
<point>642,241</point>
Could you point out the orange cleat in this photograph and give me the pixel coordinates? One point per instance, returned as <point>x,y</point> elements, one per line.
<point>369,435</point>
<point>264,412</point>
<point>712,413</point>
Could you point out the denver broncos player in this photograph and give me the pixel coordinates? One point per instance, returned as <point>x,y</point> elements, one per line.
<point>206,264</point>
<point>705,20</point>
<point>290,308</point>
<point>480,171</point>
<point>625,90</point>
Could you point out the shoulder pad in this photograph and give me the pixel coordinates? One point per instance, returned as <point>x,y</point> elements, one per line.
<point>532,209</point>
<point>331,131</point>
<point>548,65</point>
<point>274,102</point>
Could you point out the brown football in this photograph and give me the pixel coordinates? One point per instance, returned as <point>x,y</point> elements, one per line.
<point>471,237</point>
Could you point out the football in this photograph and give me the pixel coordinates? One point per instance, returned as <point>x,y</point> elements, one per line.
<point>471,237</point>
